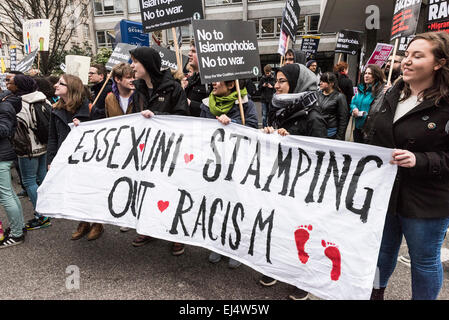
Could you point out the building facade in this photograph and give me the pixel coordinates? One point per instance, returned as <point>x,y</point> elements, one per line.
<point>267,15</point>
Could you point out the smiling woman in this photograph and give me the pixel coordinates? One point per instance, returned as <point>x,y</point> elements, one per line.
<point>414,120</point>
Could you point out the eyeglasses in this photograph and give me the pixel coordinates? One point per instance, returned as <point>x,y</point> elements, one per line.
<point>289,59</point>
<point>91,73</point>
<point>59,83</point>
<point>281,81</point>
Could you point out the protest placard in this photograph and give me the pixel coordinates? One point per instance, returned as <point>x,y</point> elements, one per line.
<point>290,18</point>
<point>380,54</point>
<point>78,66</point>
<point>310,45</point>
<point>438,16</point>
<point>405,18</point>
<point>164,14</point>
<point>306,211</point>
<point>348,41</point>
<point>119,55</point>
<point>12,57</point>
<point>168,57</point>
<point>227,50</point>
<point>26,63</point>
<point>36,35</point>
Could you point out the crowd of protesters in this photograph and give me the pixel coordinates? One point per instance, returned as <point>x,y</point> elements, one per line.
<point>409,114</point>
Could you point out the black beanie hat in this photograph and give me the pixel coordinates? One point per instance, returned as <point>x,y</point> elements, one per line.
<point>291,72</point>
<point>151,60</point>
<point>25,84</point>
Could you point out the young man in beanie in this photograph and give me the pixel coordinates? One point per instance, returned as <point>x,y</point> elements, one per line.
<point>156,93</point>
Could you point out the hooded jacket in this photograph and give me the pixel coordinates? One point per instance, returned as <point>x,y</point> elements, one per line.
<point>196,92</point>
<point>298,118</point>
<point>167,95</point>
<point>37,148</point>
<point>98,111</point>
<point>10,105</point>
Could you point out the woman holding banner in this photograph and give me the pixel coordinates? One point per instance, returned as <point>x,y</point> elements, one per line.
<point>73,106</point>
<point>370,92</point>
<point>297,115</point>
<point>414,120</point>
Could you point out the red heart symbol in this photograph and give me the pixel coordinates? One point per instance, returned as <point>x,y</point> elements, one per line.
<point>162,205</point>
<point>188,157</point>
<point>141,146</point>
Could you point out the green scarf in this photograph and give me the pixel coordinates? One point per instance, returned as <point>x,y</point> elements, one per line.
<point>222,105</point>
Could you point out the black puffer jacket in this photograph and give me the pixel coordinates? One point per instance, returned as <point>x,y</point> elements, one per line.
<point>98,111</point>
<point>59,127</point>
<point>10,105</point>
<point>167,98</point>
<point>335,111</point>
<point>196,92</point>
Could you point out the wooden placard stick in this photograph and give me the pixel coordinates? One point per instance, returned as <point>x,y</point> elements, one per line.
<point>396,43</point>
<point>242,113</point>
<point>178,54</point>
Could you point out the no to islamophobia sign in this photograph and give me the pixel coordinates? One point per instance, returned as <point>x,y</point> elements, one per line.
<point>227,50</point>
<point>348,41</point>
<point>119,55</point>
<point>306,211</point>
<point>164,14</point>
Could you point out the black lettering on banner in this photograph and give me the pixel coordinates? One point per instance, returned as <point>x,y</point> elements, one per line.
<point>111,195</point>
<point>217,132</point>
<point>175,155</point>
<point>225,224</point>
<point>180,210</point>
<point>363,212</point>
<point>255,172</point>
<point>259,222</point>
<point>79,146</point>
<point>163,150</point>
<point>85,159</point>
<point>114,145</point>
<point>339,181</point>
<point>309,197</point>
<point>202,215</point>
<point>135,196</point>
<point>134,151</point>
<point>234,154</point>
<point>106,142</point>
<point>213,210</point>
<point>237,209</point>
<point>282,165</point>
<point>300,173</point>
<point>143,167</point>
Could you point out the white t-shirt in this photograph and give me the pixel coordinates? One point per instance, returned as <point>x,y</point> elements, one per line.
<point>124,103</point>
<point>405,106</point>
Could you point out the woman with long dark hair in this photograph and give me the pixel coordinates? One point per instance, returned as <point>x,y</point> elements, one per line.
<point>333,106</point>
<point>414,121</point>
<point>370,92</point>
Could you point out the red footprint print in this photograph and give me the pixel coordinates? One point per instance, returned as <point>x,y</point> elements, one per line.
<point>333,254</point>
<point>301,236</point>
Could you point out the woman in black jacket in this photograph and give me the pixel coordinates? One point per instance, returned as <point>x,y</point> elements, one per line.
<point>414,120</point>
<point>9,106</point>
<point>333,106</point>
<point>73,106</point>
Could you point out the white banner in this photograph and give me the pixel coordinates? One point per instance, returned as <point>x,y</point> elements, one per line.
<point>306,211</point>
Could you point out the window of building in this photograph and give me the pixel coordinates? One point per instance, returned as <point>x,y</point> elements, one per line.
<point>133,6</point>
<point>267,28</point>
<point>211,3</point>
<point>312,23</point>
<point>103,7</point>
<point>105,38</point>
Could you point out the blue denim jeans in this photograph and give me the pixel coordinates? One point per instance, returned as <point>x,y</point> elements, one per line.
<point>9,200</point>
<point>33,171</point>
<point>264,114</point>
<point>424,240</point>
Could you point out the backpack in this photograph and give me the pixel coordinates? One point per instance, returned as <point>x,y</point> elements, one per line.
<point>41,112</point>
<point>21,142</point>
